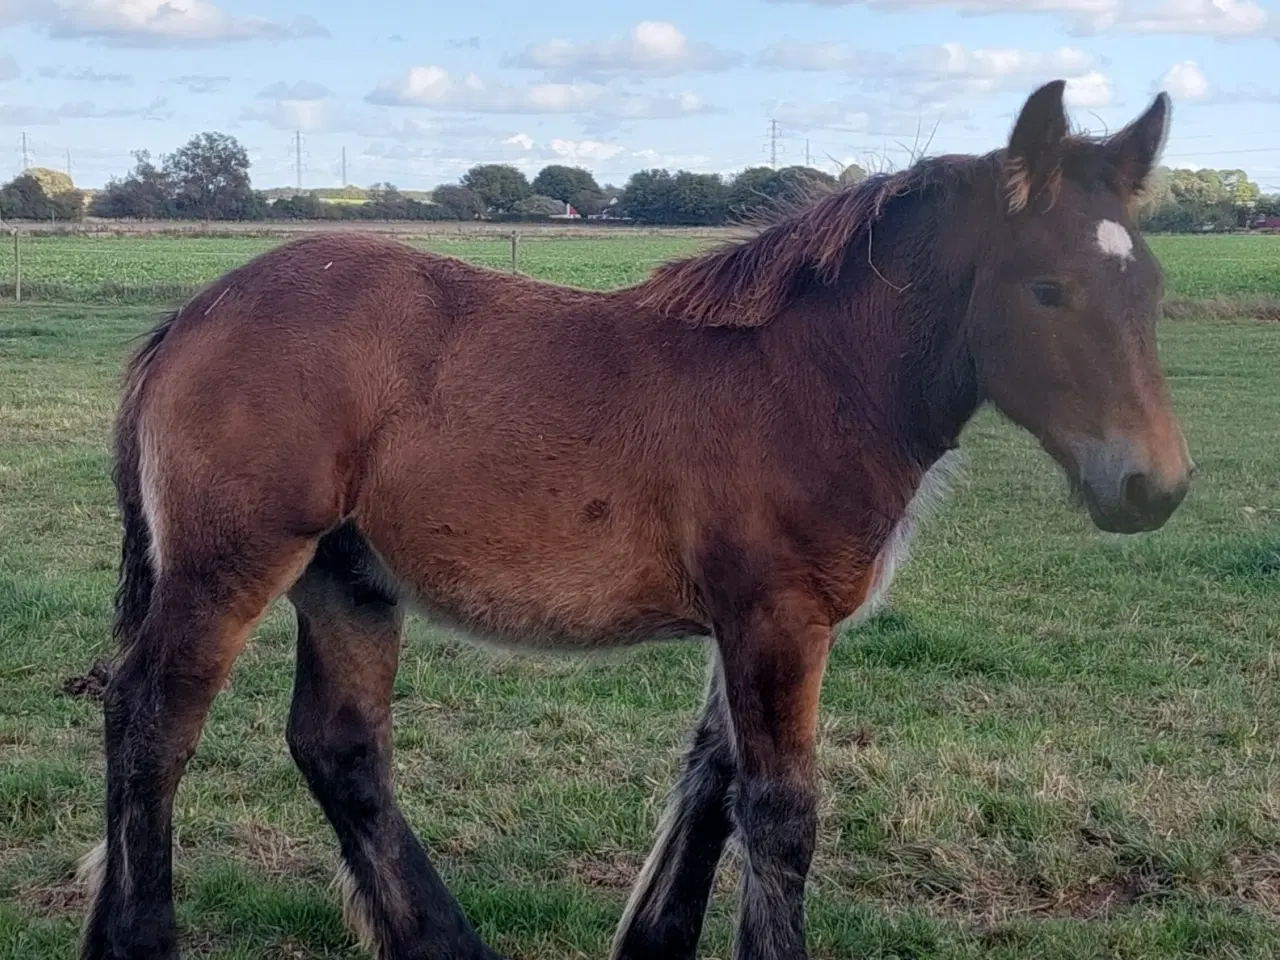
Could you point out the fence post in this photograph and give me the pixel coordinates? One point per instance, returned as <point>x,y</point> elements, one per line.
<point>17,268</point>
<point>515,252</point>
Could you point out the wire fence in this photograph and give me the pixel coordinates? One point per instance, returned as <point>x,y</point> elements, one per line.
<point>135,270</point>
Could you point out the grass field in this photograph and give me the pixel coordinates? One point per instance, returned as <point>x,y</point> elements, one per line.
<point>167,269</point>
<point>1056,744</point>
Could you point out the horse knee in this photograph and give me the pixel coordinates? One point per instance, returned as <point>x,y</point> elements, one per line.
<point>341,758</point>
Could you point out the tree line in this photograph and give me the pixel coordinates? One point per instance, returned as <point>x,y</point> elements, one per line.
<point>208,179</point>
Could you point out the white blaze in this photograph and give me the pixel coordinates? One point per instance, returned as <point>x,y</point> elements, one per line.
<point>1114,240</point>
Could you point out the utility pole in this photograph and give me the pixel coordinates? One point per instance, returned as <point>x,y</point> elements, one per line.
<point>344,166</point>
<point>26,159</point>
<point>68,161</point>
<point>297,154</point>
<point>806,153</point>
<point>773,144</point>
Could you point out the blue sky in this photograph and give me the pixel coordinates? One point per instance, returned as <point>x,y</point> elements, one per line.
<point>416,93</point>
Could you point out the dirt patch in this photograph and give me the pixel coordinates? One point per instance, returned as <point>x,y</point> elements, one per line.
<point>1257,878</point>
<point>1099,901</point>
<point>269,850</point>
<point>55,900</point>
<point>91,685</point>
<point>614,872</point>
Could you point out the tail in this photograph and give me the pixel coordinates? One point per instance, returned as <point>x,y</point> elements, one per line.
<point>136,576</point>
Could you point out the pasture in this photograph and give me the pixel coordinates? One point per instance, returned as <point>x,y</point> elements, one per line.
<point>1054,743</point>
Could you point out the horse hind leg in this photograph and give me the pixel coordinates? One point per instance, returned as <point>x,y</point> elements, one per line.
<point>339,733</point>
<point>663,918</point>
<point>178,645</point>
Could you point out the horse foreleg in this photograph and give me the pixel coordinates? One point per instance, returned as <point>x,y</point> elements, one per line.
<point>774,653</point>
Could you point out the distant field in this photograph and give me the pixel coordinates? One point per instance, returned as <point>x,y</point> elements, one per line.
<point>1055,745</point>
<point>1214,266</point>
<point>167,269</point>
<point>150,269</point>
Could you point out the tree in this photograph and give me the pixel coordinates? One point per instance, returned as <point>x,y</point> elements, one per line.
<point>700,198</point>
<point>573,185</point>
<point>146,193</point>
<point>210,176</point>
<point>754,189</point>
<point>499,185</point>
<point>458,202</point>
<point>649,196</point>
<point>538,205</point>
<point>758,189</point>
<point>1239,190</point>
<point>29,196</point>
<point>852,174</point>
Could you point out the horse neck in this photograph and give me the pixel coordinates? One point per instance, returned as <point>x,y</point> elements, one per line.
<point>897,337</point>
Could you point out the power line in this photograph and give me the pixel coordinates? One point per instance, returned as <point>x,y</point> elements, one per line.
<point>773,144</point>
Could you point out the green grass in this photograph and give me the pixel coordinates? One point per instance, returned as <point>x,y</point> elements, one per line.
<point>1215,266</point>
<point>163,270</point>
<point>146,270</point>
<point>1055,744</point>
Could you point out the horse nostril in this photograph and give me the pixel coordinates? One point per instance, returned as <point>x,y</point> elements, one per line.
<point>1135,492</point>
<point>1144,498</point>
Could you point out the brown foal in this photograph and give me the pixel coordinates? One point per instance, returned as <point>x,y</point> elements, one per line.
<point>732,449</point>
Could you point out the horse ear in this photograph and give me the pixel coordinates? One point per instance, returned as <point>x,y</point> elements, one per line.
<point>1135,150</point>
<point>1033,153</point>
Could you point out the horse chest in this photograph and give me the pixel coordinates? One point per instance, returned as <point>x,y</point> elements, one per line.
<point>933,487</point>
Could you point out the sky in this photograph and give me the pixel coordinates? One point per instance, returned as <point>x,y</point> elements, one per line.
<point>417,93</point>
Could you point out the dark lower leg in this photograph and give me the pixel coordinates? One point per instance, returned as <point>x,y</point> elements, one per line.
<point>773,661</point>
<point>663,919</point>
<point>153,713</point>
<point>340,736</point>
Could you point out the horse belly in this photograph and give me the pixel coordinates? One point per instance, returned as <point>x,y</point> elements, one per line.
<point>521,573</point>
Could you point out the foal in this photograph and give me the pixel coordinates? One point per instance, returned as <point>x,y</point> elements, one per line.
<point>729,449</point>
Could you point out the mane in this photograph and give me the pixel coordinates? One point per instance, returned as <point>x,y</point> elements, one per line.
<point>747,283</point>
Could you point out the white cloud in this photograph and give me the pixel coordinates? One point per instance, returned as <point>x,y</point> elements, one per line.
<point>941,73</point>
<point>521,140</point>
<point>651,47</point>
<point>834,114</point>
<point>599,104</point>
<point>582,152</point>
<point>20,114</point>
<point>1186,81</point>
<point>8,67</point>
<point>201,83</point>
<point>1093,89</point>
<point>87,75</point>
<point>694,162</point>
<point>1216,18</point>
<point>151,23</point>
<point>431,86</point>
<point>309,116</point>
<point>302,90</point>
<point>815,57</point>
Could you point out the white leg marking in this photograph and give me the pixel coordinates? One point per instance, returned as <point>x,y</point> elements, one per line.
<point>91,870</point>
<point>357,912</point>
<point>1114,240</point>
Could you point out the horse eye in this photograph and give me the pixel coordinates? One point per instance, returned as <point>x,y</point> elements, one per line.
<point>1048,294</point>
